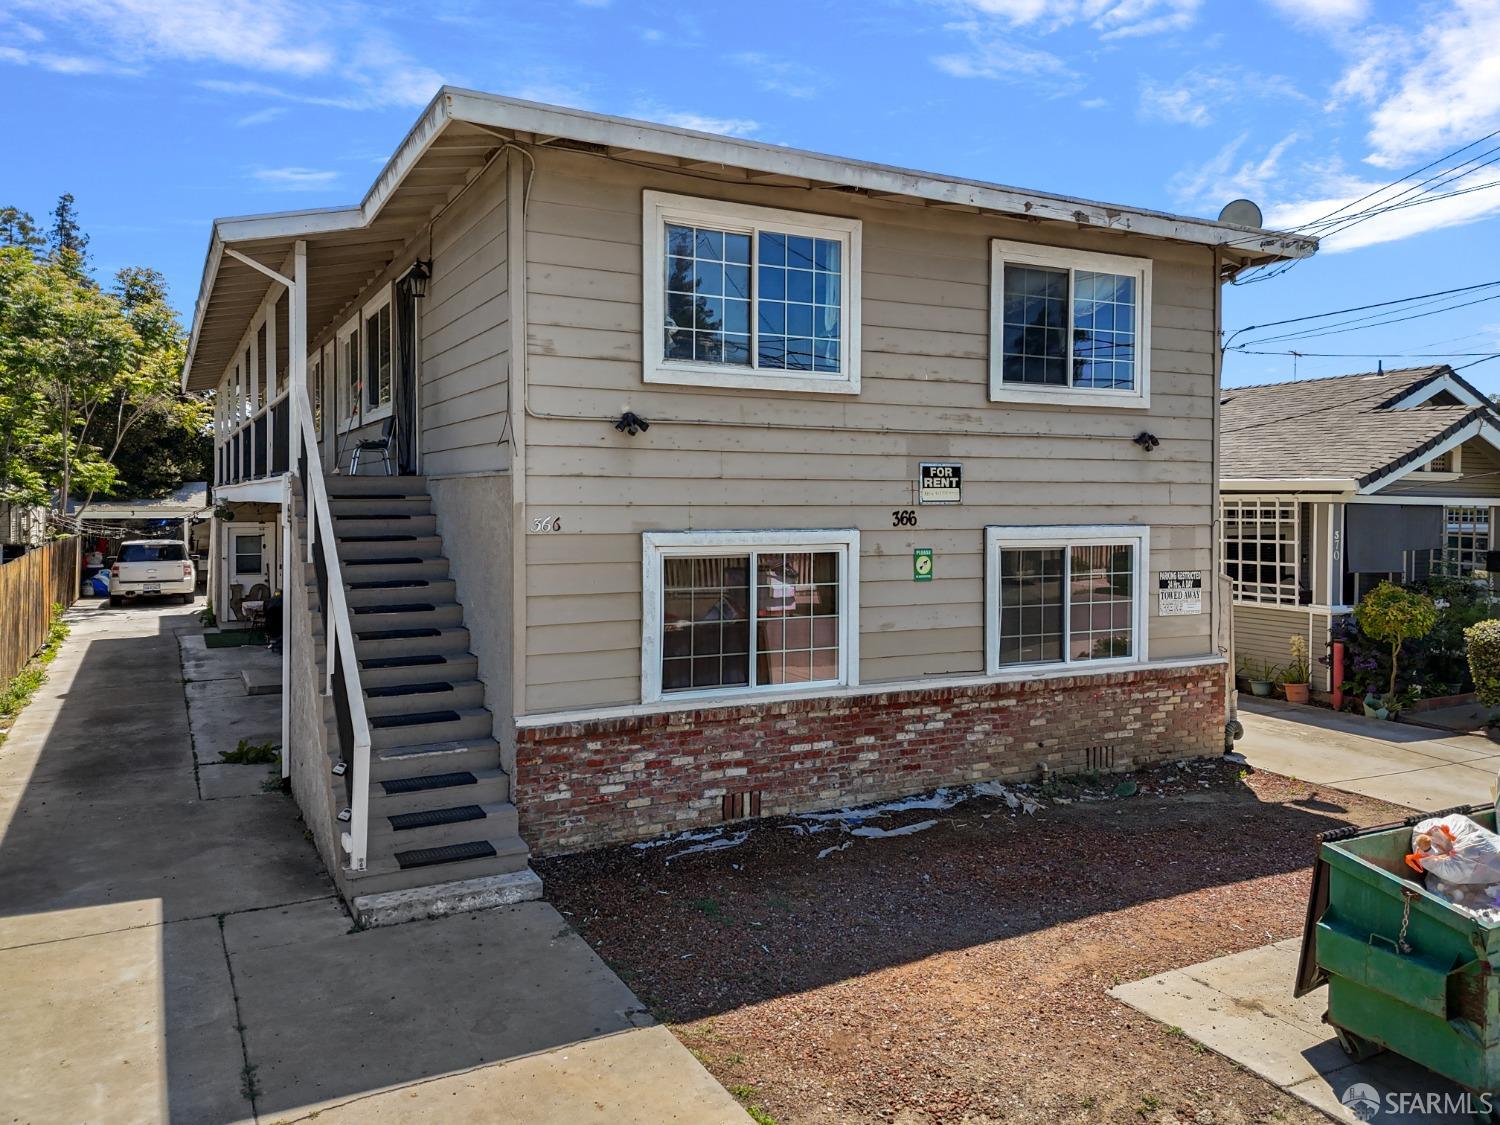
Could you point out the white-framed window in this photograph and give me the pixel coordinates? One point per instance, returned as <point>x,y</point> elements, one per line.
<point>1447,466</point>
<point>1261,542</point>
<point>249,553</point>
<point>740,612</point>
<point>1065,596</point>
<point>378,345</point>
<point>749,297</point>
<point>1466,543</point>
<point>1069,327</point>
<point>350,365</point>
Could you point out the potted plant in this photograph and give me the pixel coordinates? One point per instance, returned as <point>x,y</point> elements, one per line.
<point>1393,615</point>
<point>1294,677</point>
<point>1261,674</point>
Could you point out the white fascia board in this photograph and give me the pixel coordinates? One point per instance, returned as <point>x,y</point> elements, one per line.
<point>1335,485</point>
<point>1436,386</point>
<point>1477,428</point>
<point>267,490</point>
<point>618,132</point>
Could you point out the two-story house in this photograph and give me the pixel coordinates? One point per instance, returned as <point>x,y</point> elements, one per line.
<point>726,480</point>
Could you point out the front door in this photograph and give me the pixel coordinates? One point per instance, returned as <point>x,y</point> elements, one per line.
<point>248,562</point>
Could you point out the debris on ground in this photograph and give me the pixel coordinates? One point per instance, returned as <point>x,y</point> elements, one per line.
<point>958,974</point>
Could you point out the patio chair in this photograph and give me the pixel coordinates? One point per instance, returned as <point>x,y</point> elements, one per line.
<point>380,445</point>
<point>258,596</point>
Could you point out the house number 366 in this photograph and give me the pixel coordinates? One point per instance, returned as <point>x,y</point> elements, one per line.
<point>546,523</point>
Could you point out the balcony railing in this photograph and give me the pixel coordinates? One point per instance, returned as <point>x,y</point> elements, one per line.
<point>256,447</point>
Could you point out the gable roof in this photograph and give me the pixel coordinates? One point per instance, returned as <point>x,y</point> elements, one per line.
<point>1353,428</point>
<point>461,130</point>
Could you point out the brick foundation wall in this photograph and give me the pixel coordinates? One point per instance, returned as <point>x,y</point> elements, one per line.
<point>582,785</point>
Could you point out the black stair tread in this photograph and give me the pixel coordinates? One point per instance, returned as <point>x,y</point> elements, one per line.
<point>390,584</point>
<point>397,537</point>
<point>396,607</point>
<point>404,661</point>
<point>380,515</point>
<point>396,634</point>
<point>418,719</point>
<point>429,688</point>
<point>394,561</point>
<point>431,818</point>
<point>425,782</point>
<point>451,853</point>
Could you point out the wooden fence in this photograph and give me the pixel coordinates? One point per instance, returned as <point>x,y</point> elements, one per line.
<point>29,587</point>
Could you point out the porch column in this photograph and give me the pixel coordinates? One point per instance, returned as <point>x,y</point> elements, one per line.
<point>296,390</point>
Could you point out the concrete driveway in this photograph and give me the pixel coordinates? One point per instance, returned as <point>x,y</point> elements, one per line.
<point>171,949</point>
<point>1406,765</point>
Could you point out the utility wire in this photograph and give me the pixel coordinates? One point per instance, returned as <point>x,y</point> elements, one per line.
<point>1339,331</point>
<point>1361,308</point>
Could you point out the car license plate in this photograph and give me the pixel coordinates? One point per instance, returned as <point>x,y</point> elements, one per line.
<point>152,588</point>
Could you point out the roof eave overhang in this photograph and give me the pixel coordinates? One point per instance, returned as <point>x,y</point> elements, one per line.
<point>620,136</point>
<point>1480,424</point>
<point>1331,485</point>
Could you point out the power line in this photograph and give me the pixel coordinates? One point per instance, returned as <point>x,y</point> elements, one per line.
<point>1362,308</point>
<point>1336,330</point>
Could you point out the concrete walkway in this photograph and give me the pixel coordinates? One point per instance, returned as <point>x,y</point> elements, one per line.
<point>1242,1007</point>
<point>169,954</point>
<point>1418,767</point>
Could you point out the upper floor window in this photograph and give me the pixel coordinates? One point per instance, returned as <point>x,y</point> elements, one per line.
<point>1069,326</point>
<point>378,359</point>
<point>753,297</point>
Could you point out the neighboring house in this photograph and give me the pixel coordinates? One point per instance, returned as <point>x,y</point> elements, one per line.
<point>896,521</point>
<point>22,527</point>
<point>1329,486</point>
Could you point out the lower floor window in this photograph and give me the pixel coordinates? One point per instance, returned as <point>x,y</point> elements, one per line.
<point>1060,595</point>
<point>1466,542</point>
<point>739,611</point>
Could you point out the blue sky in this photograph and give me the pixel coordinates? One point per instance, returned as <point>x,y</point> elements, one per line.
<point>159,116</point>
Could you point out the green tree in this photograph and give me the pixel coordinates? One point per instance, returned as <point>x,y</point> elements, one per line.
<point>18,228</point>
<point>1394,615</point>
<point>66,235</point>
<point>80,369</point>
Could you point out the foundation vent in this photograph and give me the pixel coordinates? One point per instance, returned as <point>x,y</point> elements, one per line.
<point>738,806</point>
<point>1099,759</point>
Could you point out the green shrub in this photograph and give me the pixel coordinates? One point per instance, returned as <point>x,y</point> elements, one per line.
<point>1393,615</point>
<point>1482,642</point>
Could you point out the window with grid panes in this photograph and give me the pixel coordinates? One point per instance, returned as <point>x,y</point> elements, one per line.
<point>733,612</point>
<point>1260,550</point>
<point>1466,542</point>
<point>745,296</point>
<point>1064,596</point>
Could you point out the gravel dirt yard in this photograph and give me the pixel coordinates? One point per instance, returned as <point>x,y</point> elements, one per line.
<point>958,973</point>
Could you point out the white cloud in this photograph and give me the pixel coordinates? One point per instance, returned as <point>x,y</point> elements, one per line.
<point>294,179</point>
<point>261,116</point>
<point>61,64</point>
<point>781,76</point>
<point>1325,13</point>
<point>1448,92</point>
<point>1228,175</point>
<point>725,126</point>
<point>996,56</point>
<point>333,55</point>
<point>1194,98</point>
<point>1113,19</point>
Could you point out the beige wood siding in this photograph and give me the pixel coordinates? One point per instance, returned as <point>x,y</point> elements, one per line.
<point>1480,476</point>
<point>1263,633</point>
<point>743,459</point>
<point>465,336</point>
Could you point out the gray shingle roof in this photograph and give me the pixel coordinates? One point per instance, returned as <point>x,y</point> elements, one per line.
<point>1343,427</point>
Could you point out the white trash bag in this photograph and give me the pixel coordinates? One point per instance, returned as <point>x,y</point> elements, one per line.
<point>1461,860</point>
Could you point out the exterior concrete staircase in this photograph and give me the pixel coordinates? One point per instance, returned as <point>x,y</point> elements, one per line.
<point>442,828</point>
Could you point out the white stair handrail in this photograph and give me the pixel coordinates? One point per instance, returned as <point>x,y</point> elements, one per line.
<point>339,638</point>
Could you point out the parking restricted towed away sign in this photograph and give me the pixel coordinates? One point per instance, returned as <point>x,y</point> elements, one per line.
<point>940,482</point>
<point>1179,592</point>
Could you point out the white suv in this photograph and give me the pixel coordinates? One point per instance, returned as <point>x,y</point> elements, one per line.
<point>152,566</point>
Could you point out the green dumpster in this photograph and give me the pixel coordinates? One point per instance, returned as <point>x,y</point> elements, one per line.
<point>1404,969</point>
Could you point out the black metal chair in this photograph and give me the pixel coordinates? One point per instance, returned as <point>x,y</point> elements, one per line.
<point>380,445</point>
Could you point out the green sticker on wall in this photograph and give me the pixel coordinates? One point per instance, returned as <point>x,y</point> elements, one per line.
<point>921,564</point>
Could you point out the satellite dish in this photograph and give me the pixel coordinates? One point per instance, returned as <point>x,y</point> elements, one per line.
<point>1241,213</point>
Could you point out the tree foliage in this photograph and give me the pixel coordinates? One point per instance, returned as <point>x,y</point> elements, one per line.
<point>1394,615</point>
<point>87,375</point>
<point>1482,641</point>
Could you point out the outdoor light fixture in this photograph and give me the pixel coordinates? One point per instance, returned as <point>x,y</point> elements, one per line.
<point>417,277</point>
<point>631,423</point>
<point>1146,441</point>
